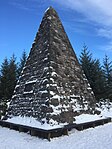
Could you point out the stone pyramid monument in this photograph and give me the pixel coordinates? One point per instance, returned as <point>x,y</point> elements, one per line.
<point>52,86</point>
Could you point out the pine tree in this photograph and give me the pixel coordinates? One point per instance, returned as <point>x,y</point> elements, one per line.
<point>4,80</point>
<point>107,69</point>
<point>98,80</point>
<point>4,86</point>
<point>12,75</point>
<point>22,62</point>
<point>86,61</point>
<point>87,64</point>
<point>8,80</point>
<point>93,72</point>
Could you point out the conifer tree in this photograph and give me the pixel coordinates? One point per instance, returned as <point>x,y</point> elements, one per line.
<point>4,86</point>
<point>12,75</point>
<point>4,80</point>
<point>8,80</point>
<point>93,72</point>
<point>98,80</point>
<point>87,63</point>
<point>107,69</point>
<point>22,62</point>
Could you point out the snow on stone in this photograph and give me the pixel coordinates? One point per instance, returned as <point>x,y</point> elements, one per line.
<point>29,92</point>
<point>45,80</point>
<point>40,51</point>
<point>52,93</point>
<point>53,73</point>
<point>77,108</point>
<point>85,106</point>
<point>43,92</point>
<point>51,121</point>
<point>92,92</point>
<point>56,97</point>
<point>17,86</point>
<point>45,59</point>
<point>88,84</point>
<point>47,9</point>
<point>53,85</point>
<point>49,17</point>
<point>29,82</point>
<point>65,106</point>
<point>56,109</point>
<point>51,79</point>
<point>46,68</point>
<point>84,79</point>
<point>89,88</point>
<point>47,85</point>
<point>45,42</point>
<point>14,96</point>
<point>73,96</point>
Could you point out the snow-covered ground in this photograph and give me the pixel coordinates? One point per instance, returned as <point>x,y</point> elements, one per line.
<point>93,138</point>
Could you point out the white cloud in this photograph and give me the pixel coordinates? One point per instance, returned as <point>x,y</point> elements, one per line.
<point>21,6</point>
<point>107,48</point>
<point>99,11</point>
<point>105,32</point>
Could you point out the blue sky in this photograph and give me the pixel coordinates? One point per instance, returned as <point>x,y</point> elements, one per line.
<point>85,21</point>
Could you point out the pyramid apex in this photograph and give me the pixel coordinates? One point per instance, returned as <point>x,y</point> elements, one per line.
<point>49,8</point>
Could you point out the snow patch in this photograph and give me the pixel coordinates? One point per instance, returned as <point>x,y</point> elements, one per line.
<point>30,121</point>
<point>49,17</point>
<point>47,9</point>
<point>45,59</point>
<point>53,73</point>
<point>87,118</point>
<point>52,93</point>
<point>33,81</point>
<point>43,92</point>
<point>17,86</point>
<point>56,97</point>
<point>29,92</point>
<point>94,138</point>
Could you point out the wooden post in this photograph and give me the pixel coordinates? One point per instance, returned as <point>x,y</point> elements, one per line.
<point>109,119</point>
<point>21,129</point>
<point>81,127</point>
<point>33,133</point>
<point>93,125</point>
<point>49,137</point>
<point>11,126</point>
<point>65,132</point>
<point>103,122</point>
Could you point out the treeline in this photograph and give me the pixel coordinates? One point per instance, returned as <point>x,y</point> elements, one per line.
<point>9,74</point>
<point>99,76</point>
